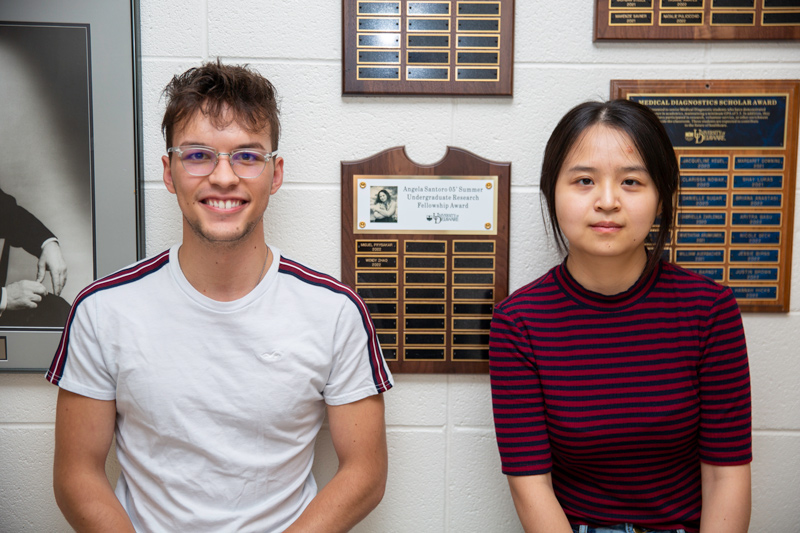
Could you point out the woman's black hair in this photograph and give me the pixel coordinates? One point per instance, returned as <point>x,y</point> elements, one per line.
<point>651,141</point>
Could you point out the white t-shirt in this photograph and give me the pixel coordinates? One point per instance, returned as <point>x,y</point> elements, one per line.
<point>218,403</point>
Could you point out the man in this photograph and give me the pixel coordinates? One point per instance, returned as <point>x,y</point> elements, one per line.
<point>20,300</point>
<point>215,362</point>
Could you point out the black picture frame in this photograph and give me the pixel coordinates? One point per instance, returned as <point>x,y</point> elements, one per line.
<point>108,188</point>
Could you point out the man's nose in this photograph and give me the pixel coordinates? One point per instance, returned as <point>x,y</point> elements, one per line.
<point>223,173</point>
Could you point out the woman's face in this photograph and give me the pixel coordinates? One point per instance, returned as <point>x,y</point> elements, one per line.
<point>605,199</point>
<point>382,197</point>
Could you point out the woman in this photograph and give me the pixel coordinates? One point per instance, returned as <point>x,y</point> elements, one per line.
<point>620,382</point>
<point>384,209</point>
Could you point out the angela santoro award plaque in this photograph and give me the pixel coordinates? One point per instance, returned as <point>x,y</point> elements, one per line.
<point>736,142</point>
<point>426,247</point>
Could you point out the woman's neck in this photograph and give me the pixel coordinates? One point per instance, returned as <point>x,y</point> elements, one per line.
<point>607,275</point>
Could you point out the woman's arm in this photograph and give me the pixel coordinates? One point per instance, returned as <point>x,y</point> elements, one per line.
<point>726,498</point>
<point>390,209</point>
<point>385,210</point>
<point>536,504</point>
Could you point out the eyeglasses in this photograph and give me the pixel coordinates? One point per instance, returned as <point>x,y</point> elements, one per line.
<point>247,163</point>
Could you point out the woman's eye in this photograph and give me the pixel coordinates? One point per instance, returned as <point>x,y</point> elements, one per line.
<point>585,181</point>
<point>630,182</point>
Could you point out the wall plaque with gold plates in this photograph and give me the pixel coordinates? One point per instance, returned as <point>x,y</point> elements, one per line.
<point>736,142</point>
<point>442,47</point>
<point>697,20</point>
<point>426,247</point>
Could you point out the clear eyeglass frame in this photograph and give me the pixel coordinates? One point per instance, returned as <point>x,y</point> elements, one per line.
<point>243,168</point>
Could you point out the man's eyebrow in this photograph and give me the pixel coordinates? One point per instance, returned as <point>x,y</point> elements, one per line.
<point>255,144</point>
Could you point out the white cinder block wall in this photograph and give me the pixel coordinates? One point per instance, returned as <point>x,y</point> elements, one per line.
<point>444,468</point>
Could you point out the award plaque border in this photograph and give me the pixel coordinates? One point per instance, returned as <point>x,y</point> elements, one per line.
<point>445,48</point>
<point>741,197</point>
<point>694,20</point>
<point>430,292</point>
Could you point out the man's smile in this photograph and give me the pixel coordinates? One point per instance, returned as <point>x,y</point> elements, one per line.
<point>223,204</point>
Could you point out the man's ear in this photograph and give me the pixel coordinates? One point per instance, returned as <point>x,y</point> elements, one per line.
<point>168,174</point>
<point>277,176</point>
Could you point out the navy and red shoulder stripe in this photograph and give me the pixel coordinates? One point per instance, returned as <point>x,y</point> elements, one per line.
<point>379,374</point>
<point>118,278</point>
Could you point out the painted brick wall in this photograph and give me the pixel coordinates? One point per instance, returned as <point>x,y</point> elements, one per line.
<point>444,468</point>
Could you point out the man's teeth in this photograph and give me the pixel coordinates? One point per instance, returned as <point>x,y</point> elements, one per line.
<point>224,204</point>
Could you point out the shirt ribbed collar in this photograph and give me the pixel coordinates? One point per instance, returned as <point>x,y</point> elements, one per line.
<point>584,297</point>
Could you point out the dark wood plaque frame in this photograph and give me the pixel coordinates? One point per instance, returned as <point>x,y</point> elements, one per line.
<point>452,60</point>
<point>394,163</point>
<point>790,89</point>
<point>694,20</point>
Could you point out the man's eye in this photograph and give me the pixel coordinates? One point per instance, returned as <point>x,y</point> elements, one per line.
<point>196,155</point>
<point>248,157</point>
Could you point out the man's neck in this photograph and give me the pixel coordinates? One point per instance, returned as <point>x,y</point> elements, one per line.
<point>224,273</point>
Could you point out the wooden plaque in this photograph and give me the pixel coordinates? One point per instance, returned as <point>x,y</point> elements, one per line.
<point>736,142</point>
<point>426,247</point>
<point>697,20</point>
<point>437,47</point>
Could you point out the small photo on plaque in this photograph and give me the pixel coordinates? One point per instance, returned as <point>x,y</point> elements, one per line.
<point>383,204</point>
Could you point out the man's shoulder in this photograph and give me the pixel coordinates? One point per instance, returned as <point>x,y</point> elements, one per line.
<point>312,279</point>
<point>126,277</point>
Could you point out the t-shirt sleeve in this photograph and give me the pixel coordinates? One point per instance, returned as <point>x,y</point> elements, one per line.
<point>517,401</point>
<point>725,410</point>
<point>79,365</point>
<point>358,368</point>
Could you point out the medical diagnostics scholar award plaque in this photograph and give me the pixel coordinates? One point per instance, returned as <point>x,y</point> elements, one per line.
<point>426,247</point>
<point>736,143</point>
<point>442,47</point>
<point>697,20</point>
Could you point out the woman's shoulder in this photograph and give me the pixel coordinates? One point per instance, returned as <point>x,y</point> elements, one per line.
<point>693,282</point>
<point>537,291</point>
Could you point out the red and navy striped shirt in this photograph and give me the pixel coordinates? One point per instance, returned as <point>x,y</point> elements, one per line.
<point>621,397</point>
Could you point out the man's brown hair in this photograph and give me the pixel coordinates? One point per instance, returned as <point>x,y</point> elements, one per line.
<point>223,93</point>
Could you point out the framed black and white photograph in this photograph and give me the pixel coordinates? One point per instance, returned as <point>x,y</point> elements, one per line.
<point>70,208</point>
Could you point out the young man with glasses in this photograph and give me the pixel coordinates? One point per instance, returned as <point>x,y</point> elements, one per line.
<point>215,362</point>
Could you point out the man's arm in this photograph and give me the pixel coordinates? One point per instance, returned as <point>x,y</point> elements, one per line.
<point>726,498</point>
<point>84,429</point>
<point>359,438</point>
<point>536,504</point>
